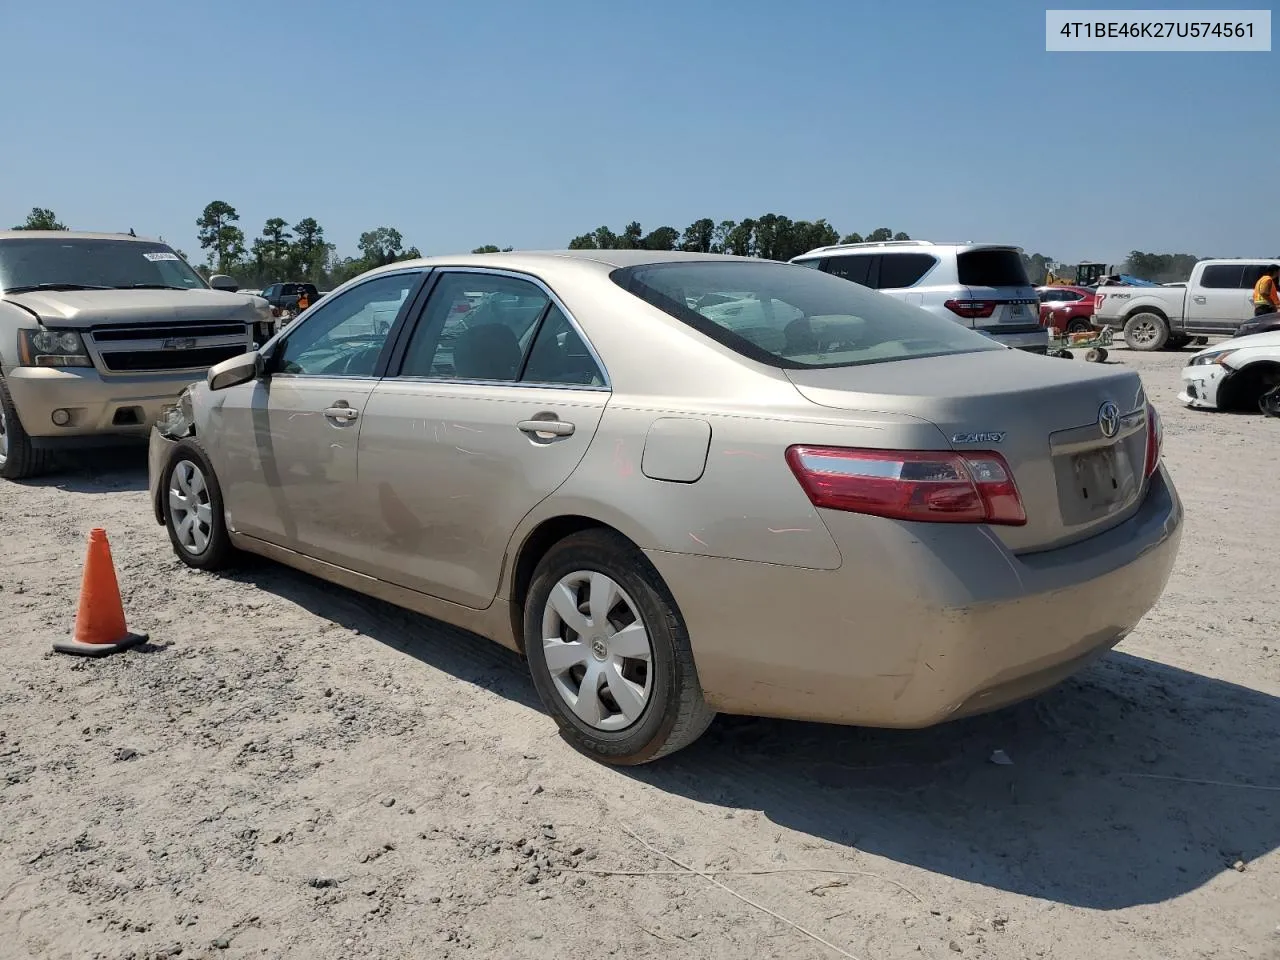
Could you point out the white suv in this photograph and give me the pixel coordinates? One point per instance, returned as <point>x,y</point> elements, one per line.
<point>981,285</point>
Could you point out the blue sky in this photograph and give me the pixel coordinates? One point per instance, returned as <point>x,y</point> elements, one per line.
<point>525,124</point>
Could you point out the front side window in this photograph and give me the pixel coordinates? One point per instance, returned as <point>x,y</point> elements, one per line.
<point>476,326</point>
<point>345,335</point>
<point>51,263</point>
<point>787,317</point>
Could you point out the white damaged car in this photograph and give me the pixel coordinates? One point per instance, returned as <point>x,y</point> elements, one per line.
<point>1238,374</point>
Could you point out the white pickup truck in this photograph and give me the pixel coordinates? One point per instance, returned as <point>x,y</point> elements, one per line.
<point>1215,300</point>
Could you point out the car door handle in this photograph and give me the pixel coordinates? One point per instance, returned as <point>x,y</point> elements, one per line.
<point>342,413</point>
<point>1199,299</point>
<point>557,428</point>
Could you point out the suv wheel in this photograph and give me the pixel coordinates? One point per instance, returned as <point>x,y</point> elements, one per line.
<point>18,458</point>
<point>1146,332</point>
<point>609,652</point>
<point>193,512</point>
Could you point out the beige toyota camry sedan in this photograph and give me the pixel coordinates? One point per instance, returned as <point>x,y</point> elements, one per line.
<point>682,484</point>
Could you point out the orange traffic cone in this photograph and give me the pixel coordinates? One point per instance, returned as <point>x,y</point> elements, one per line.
<point>100,625</point>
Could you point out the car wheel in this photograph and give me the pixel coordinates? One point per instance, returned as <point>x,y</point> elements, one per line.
<point>1269,402</point>
<point>18,458</point>
<point>1079,326</point>
<point>609,652</point>
<point>1146,332</point>
<point>193,512</point>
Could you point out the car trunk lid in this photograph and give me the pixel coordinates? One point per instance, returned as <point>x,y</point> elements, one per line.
<point>1048,418</point>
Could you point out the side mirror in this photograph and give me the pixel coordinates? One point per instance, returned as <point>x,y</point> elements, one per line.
<point>235,371</point>
<point>220,281</point>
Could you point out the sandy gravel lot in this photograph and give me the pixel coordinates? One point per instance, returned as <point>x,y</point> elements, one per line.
<point>291,770</point>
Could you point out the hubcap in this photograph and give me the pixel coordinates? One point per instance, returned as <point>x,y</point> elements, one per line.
<point>4,437</point>
<point>190,512</point>
<point>1144,332</point>
<point>597,650</point>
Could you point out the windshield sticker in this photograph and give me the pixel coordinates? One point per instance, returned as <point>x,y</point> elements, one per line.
<point>153,257</point>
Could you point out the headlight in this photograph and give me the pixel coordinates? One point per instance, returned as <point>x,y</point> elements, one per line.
<point>52,348</point>
<point>1218,358</point>
<point>176,420</point>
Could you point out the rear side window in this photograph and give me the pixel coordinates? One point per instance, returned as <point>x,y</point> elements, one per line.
<point>992,268</point>
<point>783,316</point>
<point>1252,273</point>
<point>857,268</point>
<point>903,269</point>
<point>1224,276</point>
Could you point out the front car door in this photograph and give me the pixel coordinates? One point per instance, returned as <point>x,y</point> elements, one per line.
<point>287,443</point>
<point>489,407</point>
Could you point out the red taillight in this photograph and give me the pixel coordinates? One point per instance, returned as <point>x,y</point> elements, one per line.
<point>972,309</point>
<point>1097,300</point>
<point>1155,440</point>
<point>934,487</point>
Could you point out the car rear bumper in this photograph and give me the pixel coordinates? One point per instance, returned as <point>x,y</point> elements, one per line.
<point>943,622</point>
<point>98,409</point>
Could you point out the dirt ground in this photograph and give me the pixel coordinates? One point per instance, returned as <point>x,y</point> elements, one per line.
<point>292,770</point>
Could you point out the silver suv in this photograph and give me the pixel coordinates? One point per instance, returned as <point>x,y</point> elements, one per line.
<point>980,285</point>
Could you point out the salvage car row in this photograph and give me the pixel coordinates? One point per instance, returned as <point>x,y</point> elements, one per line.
<point>642,469</point>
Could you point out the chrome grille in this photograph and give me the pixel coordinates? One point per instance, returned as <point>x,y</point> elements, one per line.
<point>168,347</point>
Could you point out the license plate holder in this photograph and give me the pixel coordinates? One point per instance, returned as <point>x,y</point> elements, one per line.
<point>1016,312</point>
<point>1097,477</point>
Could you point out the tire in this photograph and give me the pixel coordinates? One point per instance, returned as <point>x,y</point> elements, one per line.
<point>1079,326</point>
<point>1066,355</point>
<point>663,710</point>
<point>205,545</point>
<point>1146,332</point>
<point>1095,355</point>
<point>18,458</point>
<point>1269,402</point>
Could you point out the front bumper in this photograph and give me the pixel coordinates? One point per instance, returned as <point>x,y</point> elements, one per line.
<point>158,449</point>
<point>923,622</point>
<point>101,408</point>
<point>1202,385</point>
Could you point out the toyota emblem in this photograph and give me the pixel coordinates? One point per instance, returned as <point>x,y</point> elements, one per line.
<point>1109,419</point>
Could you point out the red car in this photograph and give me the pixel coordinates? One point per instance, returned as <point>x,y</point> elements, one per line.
<point>1067,308</point>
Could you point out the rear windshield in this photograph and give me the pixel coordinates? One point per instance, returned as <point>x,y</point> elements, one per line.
<point>115,264</point>
<point>992,268</point>
<point>787,316</point>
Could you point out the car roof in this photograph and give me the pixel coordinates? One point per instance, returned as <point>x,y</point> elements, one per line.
<point>532,260</point>
<point>904,246</point>
<point>70,235</point>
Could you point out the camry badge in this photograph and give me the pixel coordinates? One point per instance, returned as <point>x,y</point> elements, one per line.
<point>1109,419</point>
<point>989,437</point>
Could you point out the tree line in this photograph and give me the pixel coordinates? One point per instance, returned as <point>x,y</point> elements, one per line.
<point>284,252</point>
<point>770,237</point>
<point>301,251</point>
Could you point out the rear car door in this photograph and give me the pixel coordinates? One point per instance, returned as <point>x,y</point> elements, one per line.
<point>1219,301</point>
<point>287,443</point>
<point>491,401</point>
